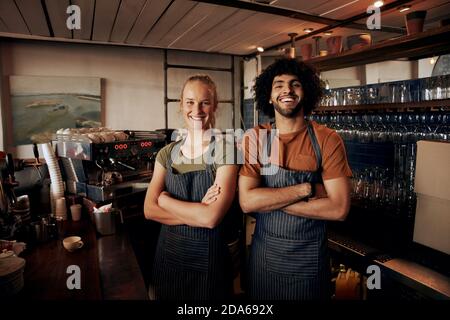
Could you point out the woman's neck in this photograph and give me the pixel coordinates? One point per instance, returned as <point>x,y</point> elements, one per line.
<point>196,143</point>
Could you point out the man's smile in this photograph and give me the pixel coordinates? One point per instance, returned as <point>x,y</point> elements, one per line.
<point>288,100</point>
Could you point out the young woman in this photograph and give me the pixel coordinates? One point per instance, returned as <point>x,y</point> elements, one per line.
<point>191,191</point>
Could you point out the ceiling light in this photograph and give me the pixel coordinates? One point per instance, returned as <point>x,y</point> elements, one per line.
<point>378,3</point>
<point>260,49</point>
<point>308,30</point>
<point>433,60</point>
<point>328,33</point>
<point>404,8</point>
<point>268,2</point>
<point>291,53</point>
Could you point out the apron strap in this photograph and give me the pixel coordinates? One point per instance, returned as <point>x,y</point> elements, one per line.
<point>315,145</point>
<point>175,151</point>
<point>211,156</point>
<point>269,144</point>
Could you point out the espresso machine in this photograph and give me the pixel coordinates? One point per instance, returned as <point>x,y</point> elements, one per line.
<point>105,169</point>
<point>15,212</point>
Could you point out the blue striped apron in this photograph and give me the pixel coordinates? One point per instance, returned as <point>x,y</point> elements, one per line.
<point>288,257</point>
<point>191,263</point>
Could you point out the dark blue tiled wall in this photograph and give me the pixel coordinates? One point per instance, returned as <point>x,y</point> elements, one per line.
<point>248,114</point>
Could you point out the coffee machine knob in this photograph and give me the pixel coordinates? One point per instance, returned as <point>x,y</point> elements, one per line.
<point>134,150</point>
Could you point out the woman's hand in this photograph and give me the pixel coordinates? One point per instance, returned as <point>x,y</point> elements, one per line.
<point>164,193</point>
<point>162,196</point>
<point>211,194</point>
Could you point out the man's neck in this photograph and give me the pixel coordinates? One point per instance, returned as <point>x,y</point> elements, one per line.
<point>288,125</point>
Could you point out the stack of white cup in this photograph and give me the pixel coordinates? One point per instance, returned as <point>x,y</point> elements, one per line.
<point>57,186</point>
<point>61,208</point>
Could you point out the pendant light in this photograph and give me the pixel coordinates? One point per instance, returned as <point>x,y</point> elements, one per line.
<point>292,48</point>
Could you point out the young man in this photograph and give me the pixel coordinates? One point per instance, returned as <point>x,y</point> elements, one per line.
<point>304,183</point>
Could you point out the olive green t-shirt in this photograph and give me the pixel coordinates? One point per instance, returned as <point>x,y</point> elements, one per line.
<point>224,154</point>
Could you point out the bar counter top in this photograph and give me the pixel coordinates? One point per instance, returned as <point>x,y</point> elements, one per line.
<point>108,267</point>
<point>421,278</point>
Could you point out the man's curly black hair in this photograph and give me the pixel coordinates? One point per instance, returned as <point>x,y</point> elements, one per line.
<point>311,83</point>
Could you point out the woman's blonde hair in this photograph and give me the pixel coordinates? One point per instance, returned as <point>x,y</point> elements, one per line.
<point>205,79</point>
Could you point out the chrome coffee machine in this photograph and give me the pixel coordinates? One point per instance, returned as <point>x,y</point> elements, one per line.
<point>108,164</point>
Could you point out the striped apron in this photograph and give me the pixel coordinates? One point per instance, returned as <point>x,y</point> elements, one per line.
<point>288,257</point>
<point>191,263</point>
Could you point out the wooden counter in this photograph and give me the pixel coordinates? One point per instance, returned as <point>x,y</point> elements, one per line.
<point>120,275</point>
<point>108,267</point>
<point>422,279</point>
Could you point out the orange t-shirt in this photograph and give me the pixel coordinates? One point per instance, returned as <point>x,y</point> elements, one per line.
<point>295,152</point>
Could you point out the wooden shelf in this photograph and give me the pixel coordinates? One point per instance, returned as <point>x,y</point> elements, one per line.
<point>429,43</point>
<point>444,103</point>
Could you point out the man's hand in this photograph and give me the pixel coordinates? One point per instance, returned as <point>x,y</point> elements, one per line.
<point>306,189</point>
<point>320,192</point>
<point>255,198</point>
<point>211,194</point>
<point>334,206</point>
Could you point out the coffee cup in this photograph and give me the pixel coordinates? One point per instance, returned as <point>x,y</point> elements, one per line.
<point>75,211</point>
<point>72,243</point>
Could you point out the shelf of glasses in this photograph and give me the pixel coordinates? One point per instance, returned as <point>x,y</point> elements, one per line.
<point>425,44</point>
<point>443,103</point>
<point>373,209</point>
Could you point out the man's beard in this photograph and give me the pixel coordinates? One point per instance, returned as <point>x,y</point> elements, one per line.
<point>288,113</point>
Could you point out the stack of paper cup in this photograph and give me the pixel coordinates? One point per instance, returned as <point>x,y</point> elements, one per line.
<point>57,186</point>
<point>75,212</point>
<point>61,208</point>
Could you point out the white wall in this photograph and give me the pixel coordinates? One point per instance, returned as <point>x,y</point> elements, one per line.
<point>176,78</point>
<point>250,70</point>
<point>343,77</point>
<point>384,71</point>
<point>389,71</point>
<point>134,78</point>
<point>425,68</point>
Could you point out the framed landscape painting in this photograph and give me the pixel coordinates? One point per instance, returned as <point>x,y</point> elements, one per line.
<point>41,105</point>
